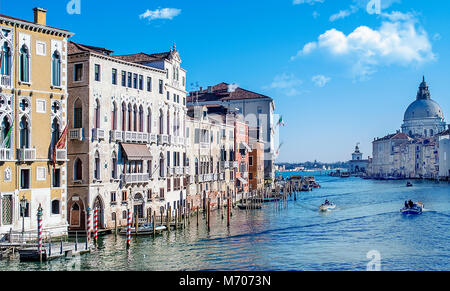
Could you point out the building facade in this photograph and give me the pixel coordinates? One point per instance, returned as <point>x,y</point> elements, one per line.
<point>127,144</point>
<point>33,116</point>
<point>256,161</point>
<point>414,152</point>
<point>357,165</point>
<point>210,156</point>
<point>257,111</point>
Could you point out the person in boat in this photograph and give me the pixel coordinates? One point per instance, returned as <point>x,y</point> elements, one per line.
<point>411,204</point>
<point>327,202</point>
<point>406,204</point>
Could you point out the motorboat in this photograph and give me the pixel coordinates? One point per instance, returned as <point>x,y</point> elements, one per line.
<point>345,175</point>
<point>416,208</point>
<point>327,206</point>
<point>409,184</point>
<point>249,206</point>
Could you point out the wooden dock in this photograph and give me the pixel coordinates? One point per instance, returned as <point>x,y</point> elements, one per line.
<point>53,251</point>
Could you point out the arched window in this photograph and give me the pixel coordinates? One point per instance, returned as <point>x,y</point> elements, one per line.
<point>55,132</point>
<point>168,122</point>
<point>431,132</point>
<point>97,166</point>
<point>56,69</point>
<point>114,117</point>
<point>24,133</point>
<point>24,64</point>
<point>78,114</point>
<point>425,132</point>
<point>6,61</point>
<point>141,119</point>
<point>124,117</point>
<point>130,120</point>
<point>97,114</point>
<point>114,166</point>
<point>135,116</point>
<point>78,170</point>
<point>161,166</point>
<point>196,166</point>
<point>161,122</point>
<point>55,207</point>
<point>149,121</point>
<point>5,137</point>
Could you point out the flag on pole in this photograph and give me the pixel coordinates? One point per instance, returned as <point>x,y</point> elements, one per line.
<point>61,144</point>
<point>278,150</point>
<point>7,141</point>
<point>280,121</point>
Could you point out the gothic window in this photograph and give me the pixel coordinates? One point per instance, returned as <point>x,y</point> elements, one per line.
<point>56,69</point>
<point>55,132</point>
<point>161,122</point>
<point>24,64</point>
<point>114,166</point>
<point>431,132</point>
<point>114,117</point>
<point>97,114</point>
<point>168,122</point>
<point>5,137</point>
<point>78,114</point>
<point>24,133</point>
<point>97,166</point>
<point>78,170</point>
<point>161,166</point>
<point>130,116</point>
<point>6,61</point>
<point>149,121</point>
<point>124,115</point>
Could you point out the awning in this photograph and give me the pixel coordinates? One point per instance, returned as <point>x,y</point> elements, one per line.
<point>244,144</point>
<point>136,152</point>
<point>243,181</point>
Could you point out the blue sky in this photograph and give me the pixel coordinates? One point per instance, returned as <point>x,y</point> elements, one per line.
<point>338,74</point>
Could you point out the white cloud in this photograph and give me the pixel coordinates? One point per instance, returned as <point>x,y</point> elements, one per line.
<point>164,13</point>
<point>315,14</point>
<point>437,36</point>
<point>358,5</point>
<point>320,80</point>
<point>398,41</point>
<point>340,15</point>
<point>289,85</point>
<point>310,2</point>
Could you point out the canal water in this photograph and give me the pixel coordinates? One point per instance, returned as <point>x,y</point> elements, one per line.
<point>366,228</point>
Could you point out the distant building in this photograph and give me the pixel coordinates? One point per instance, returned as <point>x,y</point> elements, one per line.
<point>357,165</point>
<point>257,111</point>
<point>414,152</point>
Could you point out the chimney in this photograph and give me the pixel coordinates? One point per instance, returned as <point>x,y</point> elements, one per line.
<point>201,89</point>
<point>40,16</point>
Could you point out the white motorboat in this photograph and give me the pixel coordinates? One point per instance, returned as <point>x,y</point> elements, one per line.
<point>327,207</point>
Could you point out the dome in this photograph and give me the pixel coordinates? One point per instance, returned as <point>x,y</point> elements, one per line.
<point>423,109</point>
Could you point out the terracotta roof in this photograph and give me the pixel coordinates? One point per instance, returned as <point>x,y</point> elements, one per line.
<point>400,135</point>
<point>75,48</point>
<point>143,57</point>
<point>220,92</point>
<point>30,22</point>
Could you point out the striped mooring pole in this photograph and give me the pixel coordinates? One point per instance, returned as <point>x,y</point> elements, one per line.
<point>128,228</point>
<point>95,225</point>
<point>39,221</point>
<point>88,231</point>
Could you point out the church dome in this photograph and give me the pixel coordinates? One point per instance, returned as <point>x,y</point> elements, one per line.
<point>423,107</point>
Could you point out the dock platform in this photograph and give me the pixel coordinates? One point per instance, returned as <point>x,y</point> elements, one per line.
<point>51,252</point>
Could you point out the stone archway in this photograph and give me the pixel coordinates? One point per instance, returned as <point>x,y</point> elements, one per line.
<point>76,213</point>
<point>98,203</point>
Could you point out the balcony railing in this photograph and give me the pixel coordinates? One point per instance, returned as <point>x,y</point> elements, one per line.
<point>5,155</point>
<point>153,138</point>
<point>163,139</point>
<point>61,155</point>
<point>76,134</point>
<point>208,177</point>
<point>200,179</point>
<point>98,134</point>
<point>26,155</point>
<point>224,164</point>
<point>187,169</point>
<point>6,80</point>
<point>178,170</point>
<point>171,171</point>
<point>135,137</point>
<point>235,164</point>
<point>116,135</point>
<point>204,145</point>
<point>222,176</point>
<point>172,140</point>
<point>136,178</point>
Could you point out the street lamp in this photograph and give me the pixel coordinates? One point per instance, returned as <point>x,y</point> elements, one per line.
<point>23,205</point>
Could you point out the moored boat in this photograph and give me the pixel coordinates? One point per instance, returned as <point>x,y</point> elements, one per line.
<point>146,229</point>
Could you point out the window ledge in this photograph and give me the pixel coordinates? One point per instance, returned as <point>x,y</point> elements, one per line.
<point>56,87</point>
<point>25,83</point>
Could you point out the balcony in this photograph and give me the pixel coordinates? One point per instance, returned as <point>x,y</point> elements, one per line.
<point>215,177</point>
<point>222,176</point>
<point>6,81</point>
<point>207,177</point>
<point>153,138</point>
<point>136,178</point>
<point>135,137</point>
<point>61,155</point>
<point>224,164</point>
<point>235,164</point>
<point>200,179</point>
<point>171,171</point>
<point>26,155</point>
<point>163,139</point>
<point>187,169</point>
<point>5,155</point>
<point>245,175</point>
<point>191,180</point>
<point>76,134</point>
<point>178,170</point>
<point>98,134</point>
<point>116,135</point>
<point>204,145</point>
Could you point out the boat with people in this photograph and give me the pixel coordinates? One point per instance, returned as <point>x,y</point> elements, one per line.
<point>146,229</point>
<point>409,184</point>
<point>327,206</point>
<point>412,208</point>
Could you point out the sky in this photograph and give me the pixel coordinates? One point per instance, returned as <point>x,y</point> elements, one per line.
<point>341,72</point>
